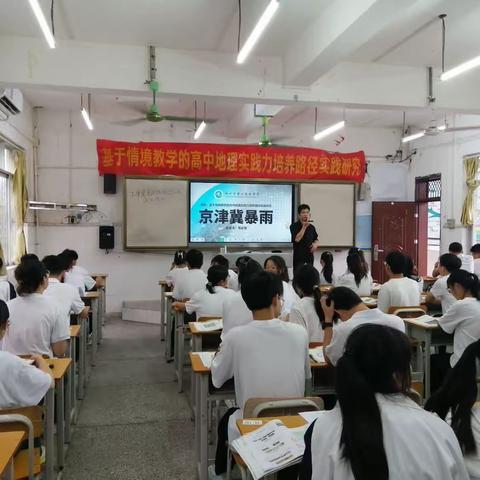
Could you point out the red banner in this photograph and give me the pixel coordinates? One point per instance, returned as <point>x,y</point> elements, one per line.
<point>208,160</point>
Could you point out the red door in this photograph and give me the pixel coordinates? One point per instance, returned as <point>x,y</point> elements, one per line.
<point>394,227</point>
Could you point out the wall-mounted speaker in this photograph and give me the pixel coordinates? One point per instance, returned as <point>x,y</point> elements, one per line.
<point>109,183</point>
<point>106,237</point>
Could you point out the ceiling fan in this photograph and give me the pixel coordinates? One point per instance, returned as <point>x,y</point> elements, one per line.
<point>265,139</point>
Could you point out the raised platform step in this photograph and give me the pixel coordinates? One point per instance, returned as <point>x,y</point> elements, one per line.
<point>144,311</point>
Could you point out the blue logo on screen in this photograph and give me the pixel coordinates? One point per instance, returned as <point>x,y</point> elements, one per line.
<point>218,194</point>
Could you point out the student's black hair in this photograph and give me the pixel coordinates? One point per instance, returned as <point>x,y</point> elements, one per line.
<point>4,314</point>
<point>303,206</point>
<point>71,253</point>
<point>216,274</point>
<point>259,290</point>
<point>281,266</point>
<point>55,264</point>
<point>179,258</point>
<point>450,261</point>
<point>194,258</point>
<point>469,281</point>
<point>357,267</point>
<point>343,298</point>
<point>396,261</point>
<point>361,254</point>
<point>220,260</point>
<point>457,395</point>
<point>247,268</point>
<point>409,270</point>
<point>306,280</point>
<point>475,248</point>
<point>29,276</point>
<point>1,263</point>
<point>327,269</point>
<point>376,360</point>
<point>455,247</point>
<point>29,257</point>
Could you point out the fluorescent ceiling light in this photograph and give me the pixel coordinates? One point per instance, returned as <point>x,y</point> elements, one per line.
<point>329,130</point>
<point>414,136</point>
<point>257,31</point>
<point>199,130</point>
<point>462,68</point>
<point>86,118</point>
<point>43,23</point>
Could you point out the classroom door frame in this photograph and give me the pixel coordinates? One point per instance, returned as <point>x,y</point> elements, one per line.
<point>394,227</point>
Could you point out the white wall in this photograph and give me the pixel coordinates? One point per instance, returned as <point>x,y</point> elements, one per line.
<point>67,172</point>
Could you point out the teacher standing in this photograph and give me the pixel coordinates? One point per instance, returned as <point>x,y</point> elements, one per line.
<point>304,237</point>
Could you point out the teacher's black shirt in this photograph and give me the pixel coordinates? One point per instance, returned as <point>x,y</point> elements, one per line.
<point>301,249</point>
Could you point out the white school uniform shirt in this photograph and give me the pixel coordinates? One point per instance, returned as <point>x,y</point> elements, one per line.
<point>418,444</point>
<point>348,280</point>
<point>173,274</point>
<point>342,330</point>
<point>235,313</point>
<point>21,384</point>
<point>323,280</point>
<point>233,280</point>
<point>398,292</point>
<point>4,289</point>
<point>188,283</point>
<point>80,278</point>
<point>440,291</point>
<point>476,266</point>
<point>463,320</point>
<point>467,262</point>
<point>36,321</point>
<point>303,313</point>
<point>206,304</point>
<point>267,358</point>
<point>290,298</point>
<point>67,297</point>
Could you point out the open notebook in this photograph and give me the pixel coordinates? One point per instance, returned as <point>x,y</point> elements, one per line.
<point>271,448</point>
<point>206,358</point>
<point>209,326</point>
<point>316,354</point>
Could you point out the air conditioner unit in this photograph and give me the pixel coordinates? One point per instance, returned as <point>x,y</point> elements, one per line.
<point>11,101</point>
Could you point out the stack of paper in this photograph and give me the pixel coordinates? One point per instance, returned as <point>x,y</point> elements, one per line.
<point>369,300</point>
<point>316,354</point>
<point>425,319</point>
<point>210,326</point>
<point>270,448</point>
<point>206,358</point>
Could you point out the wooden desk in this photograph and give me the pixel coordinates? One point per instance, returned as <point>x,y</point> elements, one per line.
<point>93,299</point>
<point>102,308</point>
<point>163,286</point>
<point>200,384</point>
<point>199,336</point>
<point>9,443</point>
<point>290,421</point>
<point>430,334</point>
<point>75,335</point>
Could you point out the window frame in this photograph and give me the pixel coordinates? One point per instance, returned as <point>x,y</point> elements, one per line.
<point>7,217</point>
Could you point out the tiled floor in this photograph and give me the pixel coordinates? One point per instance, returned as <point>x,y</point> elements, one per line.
<point>133,425</point>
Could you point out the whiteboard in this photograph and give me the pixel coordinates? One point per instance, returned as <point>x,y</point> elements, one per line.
<point>332,207</point>
<point>155,213</point>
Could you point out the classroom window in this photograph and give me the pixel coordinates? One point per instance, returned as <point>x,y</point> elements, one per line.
<point>7,229</point>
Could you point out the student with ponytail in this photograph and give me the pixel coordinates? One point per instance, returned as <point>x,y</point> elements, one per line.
<point>455,402</point>
<point>308,310</point>
<point>37,324</point>
<point>208,302</point>
<point>376,432</point>
<point>357,277</point>
<point>463,317</point>
<point>326,275</point>
<point>179,266</point>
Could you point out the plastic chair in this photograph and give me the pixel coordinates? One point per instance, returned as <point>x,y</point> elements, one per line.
<point>408,312</point>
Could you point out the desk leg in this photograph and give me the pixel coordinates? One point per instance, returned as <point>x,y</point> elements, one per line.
<point>180,350</point>
<point>168,346</point>
<point>162,314</point>
<point>202,419</point>
<point>428,344</point>
<point>82,360</point>
<point>73,380</point>
<point>101,314</point>
<point>60,408</point>
<point>94,331</point>
<point>193,395</point>
<point>49,429</point>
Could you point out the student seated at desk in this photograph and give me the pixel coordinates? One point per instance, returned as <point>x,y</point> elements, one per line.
<point>348,306</point>
<point>399,291</point>
<point>235,310</point>
<point>191,280</point>
<point>376,431</point>
<point>456,403</point>
<point>276,265</point>
<point>77,275</point>
<point>179,265</point>
<point>456,248</point>
<point>66,295</point>
<point>327,277</point>
<point>37,325</point>
<point>463,317</point>
<point>475,251</point>
<point>357,277</point>
<point>232,275</point>
<point>21,384</point>
<point>412,273</point>
<point>208,302</point>
<point>7,290</point>
<point>307,311</point>
<point>439,293</point>
<point>267,357</point>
